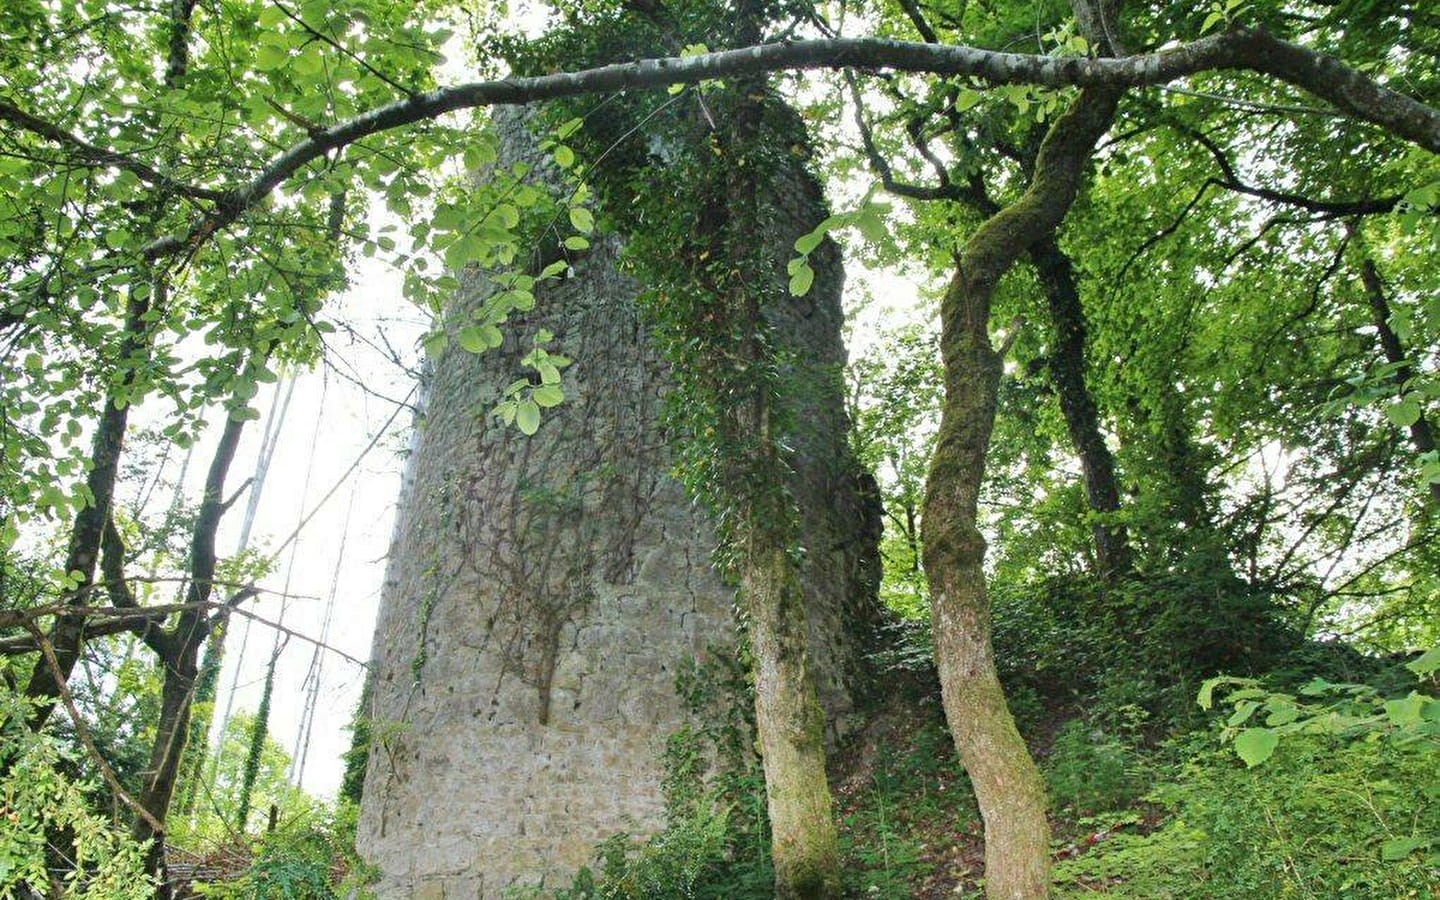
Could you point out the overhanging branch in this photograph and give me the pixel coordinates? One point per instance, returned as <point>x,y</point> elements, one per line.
<point>1349,90</point>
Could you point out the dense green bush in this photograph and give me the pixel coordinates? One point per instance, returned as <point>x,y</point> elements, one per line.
<point>310,856</point>
<point>40,801</point>
<point>1316,821</point>
<point>1091,771</point>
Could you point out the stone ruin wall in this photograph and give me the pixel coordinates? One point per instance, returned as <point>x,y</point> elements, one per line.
<point>543,592</point>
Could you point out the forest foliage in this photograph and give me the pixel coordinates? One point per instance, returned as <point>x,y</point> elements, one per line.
<point>1210,485</point>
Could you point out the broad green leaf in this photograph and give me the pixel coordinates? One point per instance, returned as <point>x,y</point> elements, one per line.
<point>806,243</point>
<point>527,416</point>
<point>1282,714</point>
<point>269,57</point>
<point>1243,710</point>
<point>1428,662</point>
<point>1397,849</point>
<point>576,242</point>
<point>564,157</point>
<point>1406,711</point>
<point>472,338</point>
<point>582,219</point>
<point>434,342</point>
<point>801,281</point>
<point>1404,412</point>
<point>548,395</point>
<point>871,225</point>
<point>1255,745</point>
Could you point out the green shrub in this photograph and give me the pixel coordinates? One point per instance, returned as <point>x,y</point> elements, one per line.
<point>1089,771</point>
<point>95,859</point>
<point>1327,815</point>
<point>309,857</point>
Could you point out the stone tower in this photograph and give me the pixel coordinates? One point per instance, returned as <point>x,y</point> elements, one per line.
<point>542,592</point>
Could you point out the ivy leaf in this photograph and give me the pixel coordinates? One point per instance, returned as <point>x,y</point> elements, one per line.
<point>527,416</point>
<point>1255,745</point>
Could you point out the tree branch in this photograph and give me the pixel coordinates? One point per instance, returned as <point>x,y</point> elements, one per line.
<point>1255,50</point>
<point>92,155</point>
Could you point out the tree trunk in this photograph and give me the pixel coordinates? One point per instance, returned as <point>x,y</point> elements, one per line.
<point>1082,420</point>
<point>791,726</point>
<point>181,661</point>
<point>1007,784</point>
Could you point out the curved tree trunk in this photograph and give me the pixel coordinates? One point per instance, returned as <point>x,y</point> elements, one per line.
<point>1007,784</point>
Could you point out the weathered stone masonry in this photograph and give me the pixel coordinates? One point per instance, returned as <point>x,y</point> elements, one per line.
<point>541,593</point>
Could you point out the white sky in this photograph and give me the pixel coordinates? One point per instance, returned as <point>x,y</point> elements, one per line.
<point>328,425</point>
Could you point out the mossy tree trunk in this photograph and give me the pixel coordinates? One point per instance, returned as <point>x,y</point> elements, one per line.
<point>790,725</point>
<point>1006,781</point>
<point>788,719</point>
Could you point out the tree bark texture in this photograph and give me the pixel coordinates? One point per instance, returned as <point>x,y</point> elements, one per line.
<point>181,661</point>
<point>1006,781</point>
<point>791,727</point>
<point>1082,419</point>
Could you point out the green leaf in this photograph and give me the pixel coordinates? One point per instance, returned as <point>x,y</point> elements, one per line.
<point>548,395</point>
<point>472,338</point>
<point>1255,745</point>
<point>582,219</point>
<point>1243,710</point>
<point>434,343</point>
<point>1406,711</point>
<point>1404,412</point>
<point>1397,849</point>
<point>576,242</point>
<point>564,157</point>
<point>269,57</point>
<point>871,225</point>
<point>569,128</point>
<point>967,99</point>
<point>801,280</point>
<point>1282,714</point>
<point>527,416</point>
<point>806,243</point>
<point>1428,662</point>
